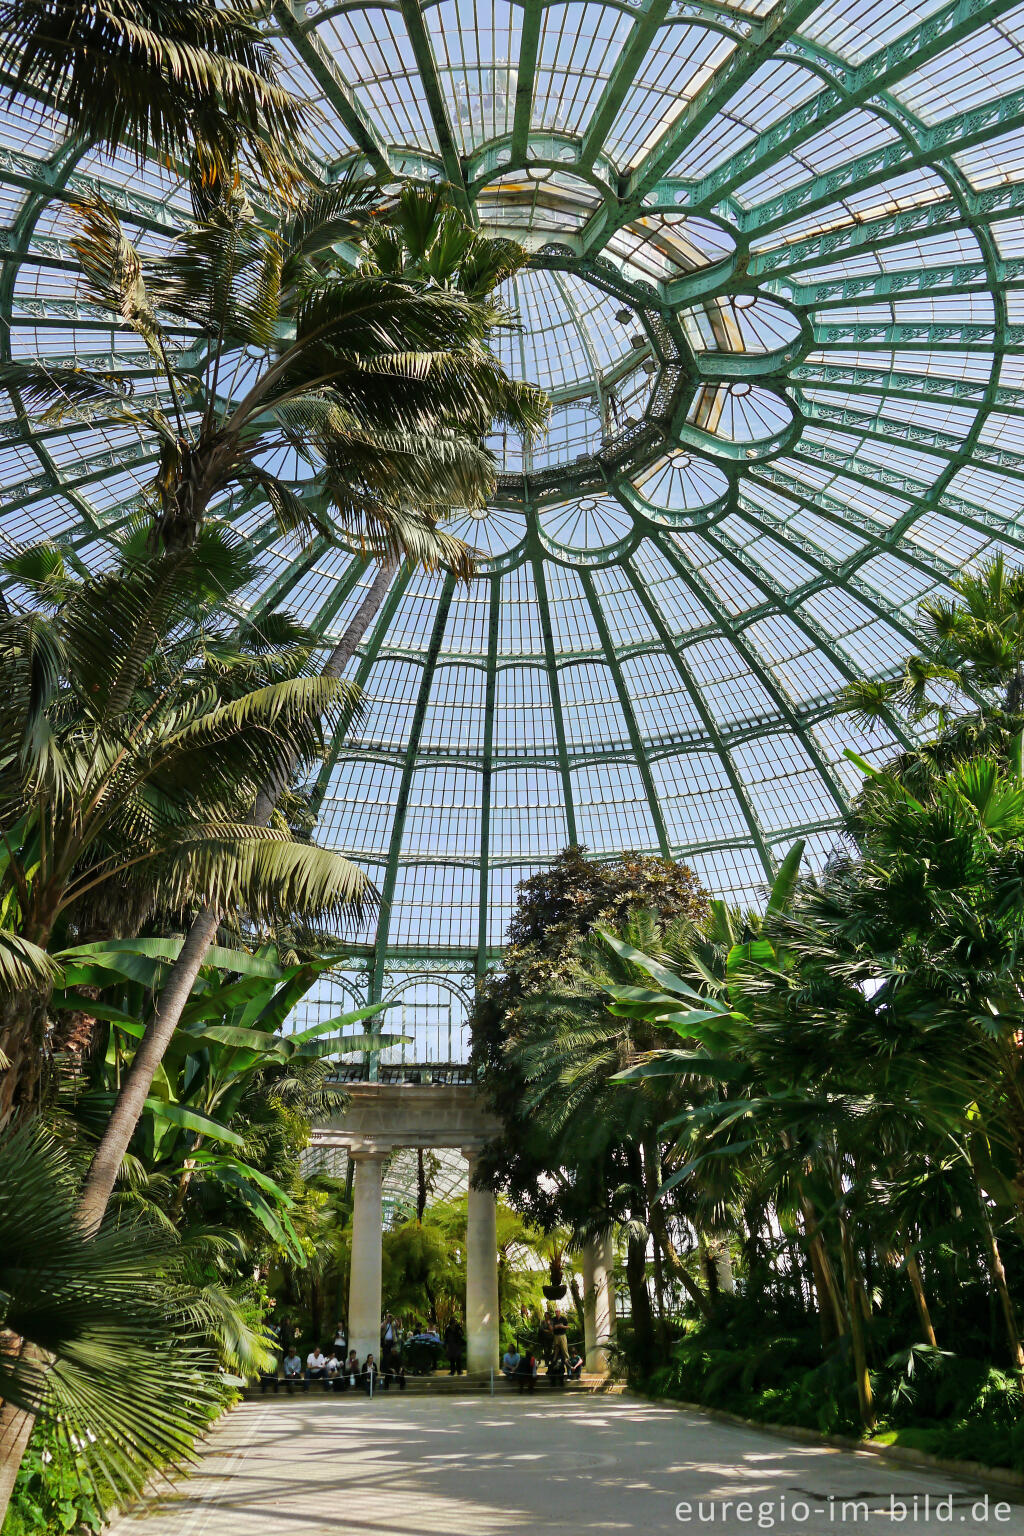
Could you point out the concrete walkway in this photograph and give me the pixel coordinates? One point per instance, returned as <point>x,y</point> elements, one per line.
<point>480,1466</point>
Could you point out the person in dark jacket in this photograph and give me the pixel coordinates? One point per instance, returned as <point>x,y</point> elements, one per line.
<point>526,1372</point>
<point>453,1342</point>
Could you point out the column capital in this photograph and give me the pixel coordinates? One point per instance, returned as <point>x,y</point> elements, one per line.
<point>472,1153</point>
<point>369,1152</point>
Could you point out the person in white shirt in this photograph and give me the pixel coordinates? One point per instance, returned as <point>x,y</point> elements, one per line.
<point>333,1369</point>
<point>316,1364</point>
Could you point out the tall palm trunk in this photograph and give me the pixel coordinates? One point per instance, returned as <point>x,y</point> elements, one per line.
<point>997,1272</point>
<point>858,1337</point>
<point>127,1111</point>
<point>920,1299</point>
<point>664,1247</point>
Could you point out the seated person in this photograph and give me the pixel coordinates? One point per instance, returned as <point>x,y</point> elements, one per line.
<point>349,1372</point>
<point>575,1365</point>
<point>333,1370</point>
<point>526,1374</point>
<point>510,1361</point>
<point>316,1365</point>
<point>556,1370</point>
<point>292,1368</point>
<point>371,1374</point>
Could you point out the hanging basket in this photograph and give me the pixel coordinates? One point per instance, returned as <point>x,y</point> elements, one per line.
<point>554,1292</point>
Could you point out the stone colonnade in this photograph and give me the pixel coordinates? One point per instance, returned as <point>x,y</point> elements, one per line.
<point>380,1118</point>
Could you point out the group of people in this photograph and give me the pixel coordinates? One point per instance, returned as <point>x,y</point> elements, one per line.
<point>336,1373</point>
<point>563,1364</point>
<point>329,1365</point>
<point>337,1368</point>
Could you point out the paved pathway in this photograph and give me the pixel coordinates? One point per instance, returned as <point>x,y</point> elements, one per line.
<point>479,1466</point>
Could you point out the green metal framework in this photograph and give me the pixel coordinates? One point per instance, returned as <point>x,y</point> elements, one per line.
<point>776,290</point>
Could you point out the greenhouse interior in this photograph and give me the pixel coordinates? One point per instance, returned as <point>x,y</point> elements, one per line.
<point>511,763</point>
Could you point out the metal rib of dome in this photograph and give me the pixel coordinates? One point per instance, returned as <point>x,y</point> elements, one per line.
<point>776,263</point>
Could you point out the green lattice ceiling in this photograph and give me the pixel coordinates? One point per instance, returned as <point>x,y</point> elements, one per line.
<point>777,259</point>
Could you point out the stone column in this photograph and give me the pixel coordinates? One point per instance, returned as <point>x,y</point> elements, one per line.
<point>364,1275</point>
<point>482,1334</point>
<point>598,1302</point>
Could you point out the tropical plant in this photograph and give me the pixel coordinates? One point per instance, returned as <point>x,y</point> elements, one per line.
<point>160,76</point>
<point>383,389</point>
<point>975,654</point>
<point>211,1107</point>
<point>576,1150</point>
<point>112,1346</point>
<point>391,386</point>
<point>131,764</point>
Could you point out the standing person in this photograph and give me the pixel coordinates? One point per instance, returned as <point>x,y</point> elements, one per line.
<point>389,1345</point>
<point>453,1342</point>
<point>546,1337</point>
<point>560,1340</point>
<point>340,1339</point>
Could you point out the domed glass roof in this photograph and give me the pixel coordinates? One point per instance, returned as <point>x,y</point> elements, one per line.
<point>776,267</point>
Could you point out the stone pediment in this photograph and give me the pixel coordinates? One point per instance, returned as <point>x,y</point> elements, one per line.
<point>381,1117</point>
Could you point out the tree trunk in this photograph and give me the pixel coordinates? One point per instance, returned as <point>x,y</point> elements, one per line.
<point>15,1428</point>
<point>998,1273</point>
<point>858,1339</point>
<point>663,1244</point>
<point>640,1302</point>
<point>22,1042</point>
<point>920,1299</point>
<point>106,1163</point>
<point>830,1306</point>
<point>15,1423</point>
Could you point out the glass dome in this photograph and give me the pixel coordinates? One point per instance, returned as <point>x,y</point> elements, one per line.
<point>775,291</point>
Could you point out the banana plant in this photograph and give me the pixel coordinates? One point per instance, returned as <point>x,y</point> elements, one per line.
<point>230,1038</point>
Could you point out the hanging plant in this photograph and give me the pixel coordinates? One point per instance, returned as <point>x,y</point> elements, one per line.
<point>556,1246</point>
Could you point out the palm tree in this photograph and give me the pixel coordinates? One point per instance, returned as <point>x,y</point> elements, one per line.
<point>132,768</point>
<point>382,387</point>
<point>389,385</point>
<point>111,1341</point>
<point>570,1050</point>
<point>159,76</point>
<point>976,651</point>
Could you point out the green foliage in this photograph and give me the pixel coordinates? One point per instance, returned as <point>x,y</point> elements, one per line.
<point>136,747</point>
<point>50,1498</point>
<point>384,382</point>
<point>162,75</point>
<point>928,1399</point>
<point>117,1349</point>
<point>224,1079</point>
